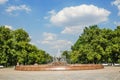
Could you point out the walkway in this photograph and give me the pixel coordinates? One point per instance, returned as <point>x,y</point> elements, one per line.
<point>108,73</point>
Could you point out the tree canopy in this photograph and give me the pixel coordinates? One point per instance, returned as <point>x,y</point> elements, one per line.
<point>15,47</point>
<point>94,45</point>
<point>97,45</point>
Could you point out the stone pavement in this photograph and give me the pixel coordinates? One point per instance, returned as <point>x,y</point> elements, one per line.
<point>108,73</point>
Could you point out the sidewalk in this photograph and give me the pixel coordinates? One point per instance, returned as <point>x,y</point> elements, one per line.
<point>108,73</point>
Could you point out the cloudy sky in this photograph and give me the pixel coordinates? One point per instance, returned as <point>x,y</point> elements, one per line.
<point>56,24</point>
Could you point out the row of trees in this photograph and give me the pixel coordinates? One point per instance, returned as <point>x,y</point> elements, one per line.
<point>96,45</point>
<point>15,47</point>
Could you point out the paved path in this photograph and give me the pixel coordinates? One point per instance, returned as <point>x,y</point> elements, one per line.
<point>108,73</point>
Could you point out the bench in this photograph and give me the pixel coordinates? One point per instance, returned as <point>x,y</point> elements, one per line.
<point>116,64</point>
<point>1,66</point>
<point>105,64</point>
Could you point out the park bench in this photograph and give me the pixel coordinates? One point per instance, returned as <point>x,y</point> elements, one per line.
<point>116,64</point>
<point>1,66</point>
<point>105,64</point>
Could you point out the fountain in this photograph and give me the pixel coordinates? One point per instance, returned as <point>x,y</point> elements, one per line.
<point>59,63</point>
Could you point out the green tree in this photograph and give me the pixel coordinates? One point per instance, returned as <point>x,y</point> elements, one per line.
<point>5,46</point>
<point>97,45</point>
<point>15,47</point>
<point>21,35</point>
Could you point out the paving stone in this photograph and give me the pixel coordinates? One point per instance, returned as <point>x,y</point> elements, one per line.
<point>108,73</point>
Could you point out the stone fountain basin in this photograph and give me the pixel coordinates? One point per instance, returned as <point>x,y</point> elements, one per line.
<point>59,68</point>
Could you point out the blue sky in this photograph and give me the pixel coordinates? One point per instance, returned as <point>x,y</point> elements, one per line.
<point>56,24</point>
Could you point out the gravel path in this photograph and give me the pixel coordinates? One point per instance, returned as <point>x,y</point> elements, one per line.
<point>108,73</point>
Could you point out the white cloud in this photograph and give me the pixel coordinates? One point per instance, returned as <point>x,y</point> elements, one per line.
<point>12,9</point>
<point>80,16</point>
<point>52,12</point>
<point>51,40</point>
<point>117,3</point>
<point>117,23</point>
<point>61,44</point>
<point>7,26</point>
<point>46,17</point>
<point>3,1</point>
<point>45,42</point>
<point>49,36</point>
<point>72,30</point>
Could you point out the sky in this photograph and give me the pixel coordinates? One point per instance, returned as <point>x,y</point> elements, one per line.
<point>55,25</point>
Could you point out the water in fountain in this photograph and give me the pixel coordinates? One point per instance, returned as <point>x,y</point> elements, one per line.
<point>59,61</point>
